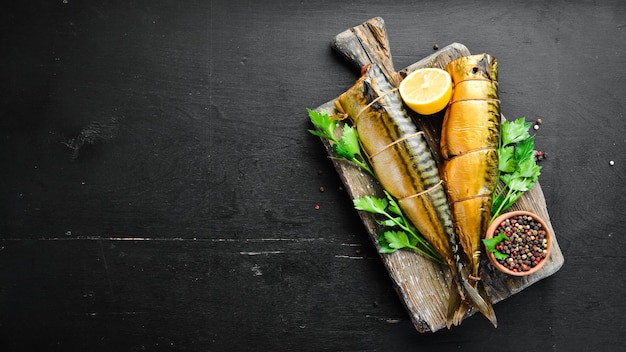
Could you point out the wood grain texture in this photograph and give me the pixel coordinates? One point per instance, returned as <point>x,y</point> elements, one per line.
<point>367,43</point>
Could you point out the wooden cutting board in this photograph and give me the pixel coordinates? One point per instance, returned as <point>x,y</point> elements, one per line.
<point>422,284</point>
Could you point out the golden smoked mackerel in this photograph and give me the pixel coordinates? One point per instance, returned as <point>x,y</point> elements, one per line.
<point>405,167</point>
<point>469,141</point>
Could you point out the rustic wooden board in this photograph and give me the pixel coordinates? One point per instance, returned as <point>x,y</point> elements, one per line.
<point>422,284</point>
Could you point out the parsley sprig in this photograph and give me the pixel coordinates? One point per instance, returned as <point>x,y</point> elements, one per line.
<point>346,145</point>
<point>517,167</point>
<point>398,233</point>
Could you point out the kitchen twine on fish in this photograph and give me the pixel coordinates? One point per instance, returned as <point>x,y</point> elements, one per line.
<point>374,101</point>
<point>472,151</point>
<point>470,99</point>
<point>484,195</point>
<point>369,157</point>
<point>422,192</point>
<point>342,115</point>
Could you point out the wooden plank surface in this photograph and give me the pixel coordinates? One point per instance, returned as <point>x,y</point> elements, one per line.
<point>422,284</point>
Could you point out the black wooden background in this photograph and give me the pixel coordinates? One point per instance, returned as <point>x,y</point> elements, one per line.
<point>159,191</point>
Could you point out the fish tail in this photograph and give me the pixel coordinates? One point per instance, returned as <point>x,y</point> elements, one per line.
<point>457,307</point>
<point>479,301</point>
<point>464,296</point>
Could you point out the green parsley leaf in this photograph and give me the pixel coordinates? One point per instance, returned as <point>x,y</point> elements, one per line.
<point>391,222</point>
<point>517,165</point>
<point>386,249</point>
<point>492,243</point>
<point>398,233</point>
<point>506,178</point>
<point>318,133</point>
<point>513,132</point>
<point>346,146</point>
<point>499,255</point>
<point>324,123</point>
<point>517,183</point>
<point>529,169</point>
<point>393,206</point>
<point>506,160</point>
<point>525,149</point>
<point>397,239</point>
<point>413,241</point>
<point>371,204</point>
<point>384,245</point>
<point>350,141</point>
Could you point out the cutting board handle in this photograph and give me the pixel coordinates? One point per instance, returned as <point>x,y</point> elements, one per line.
<point>365,44</point>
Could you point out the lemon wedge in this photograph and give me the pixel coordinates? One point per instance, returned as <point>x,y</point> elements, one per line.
<point>427,90</point>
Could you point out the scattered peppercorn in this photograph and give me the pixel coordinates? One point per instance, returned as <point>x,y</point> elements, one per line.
<point>436,46</point>
<point>611,162</point>
<point>539,121</point>
<point>322,189</point>
<point>540,155</point>
<point>536,127</point>
<point>527,244</point>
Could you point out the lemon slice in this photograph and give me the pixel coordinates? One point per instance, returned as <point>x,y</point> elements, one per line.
<point>427,90</point>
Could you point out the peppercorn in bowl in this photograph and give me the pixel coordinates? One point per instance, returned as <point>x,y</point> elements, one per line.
<point>518,243</point>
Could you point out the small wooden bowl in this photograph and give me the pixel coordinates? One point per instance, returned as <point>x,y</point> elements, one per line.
<point>491,233</point>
